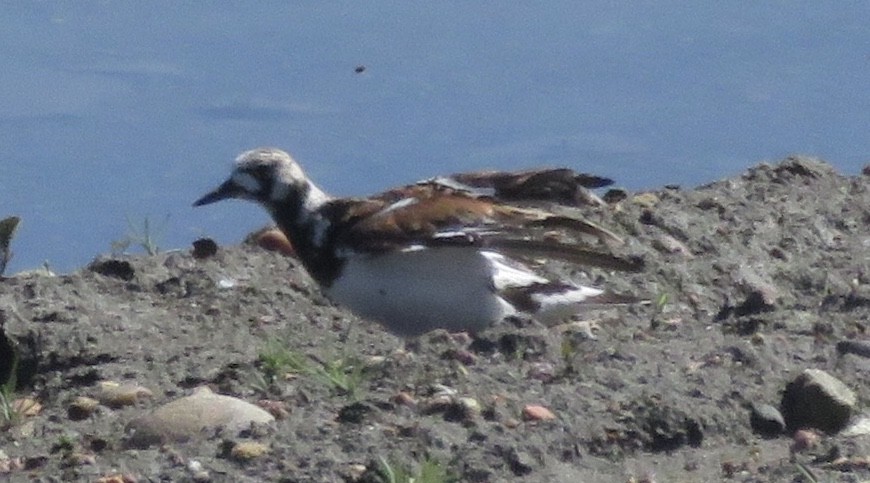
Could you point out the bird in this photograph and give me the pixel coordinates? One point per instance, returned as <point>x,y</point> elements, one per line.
<point>429,255</point>
<point>560,186</point>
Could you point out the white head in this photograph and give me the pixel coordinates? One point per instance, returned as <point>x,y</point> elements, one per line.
<point>268,176</point>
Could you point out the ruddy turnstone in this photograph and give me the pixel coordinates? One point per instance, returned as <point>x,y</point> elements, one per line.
<point>425,256</point>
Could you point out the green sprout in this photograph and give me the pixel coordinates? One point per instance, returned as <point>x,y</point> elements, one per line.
<point>344,375</point>
<point>145,236</point>
<point>8,226</point>
<point>658,309</point>
<point>430,471</point>
<point>10,413</point>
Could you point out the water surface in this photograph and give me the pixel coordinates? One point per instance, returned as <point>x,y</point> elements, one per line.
<point>116,110</point>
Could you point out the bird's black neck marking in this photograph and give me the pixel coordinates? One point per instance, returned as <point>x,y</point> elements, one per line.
<point>311,235</point>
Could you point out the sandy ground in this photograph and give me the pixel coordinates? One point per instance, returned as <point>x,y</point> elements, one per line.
<point>754,279</point>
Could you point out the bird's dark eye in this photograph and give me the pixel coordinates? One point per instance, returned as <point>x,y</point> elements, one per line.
<point>263,175</point>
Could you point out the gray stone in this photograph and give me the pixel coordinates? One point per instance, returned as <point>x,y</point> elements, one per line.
<point>766,420</point>
<point>201,414</point>
<point>816,399</point>
<point>859,427</point>
<point>857,347</point>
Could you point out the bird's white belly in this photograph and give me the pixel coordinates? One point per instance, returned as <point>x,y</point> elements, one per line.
<point>415,291</point>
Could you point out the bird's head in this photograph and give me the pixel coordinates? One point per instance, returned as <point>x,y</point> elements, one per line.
<point>267,176</point>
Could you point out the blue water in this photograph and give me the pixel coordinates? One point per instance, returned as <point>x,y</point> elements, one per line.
<point>116,110</point>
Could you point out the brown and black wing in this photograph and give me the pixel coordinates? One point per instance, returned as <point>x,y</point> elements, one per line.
<point>432,217</point>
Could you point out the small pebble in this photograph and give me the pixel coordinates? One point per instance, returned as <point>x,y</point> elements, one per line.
<point>441,389</point>
<point>26,406</point>
<point>275,408</point>
<point>8,465</point>
<point>761,291</point>
<point>194,466</point>
<point>197,473</point>
<point>204,248</point>
<point>766,420</point>
<point>646,200</point>
<point>436,404</point>
<point>804,439</point>
<point>858,427</point>
<point>248,450</point>
<point>81,408</point>
<point>80,459</point>
<point>115,395</point>
<point>356,471</point>
<point>470,407</point>
<point>226,283</point>
<point>670,245</point>
<point>534,412</point>
<point>541,371</point>
<point>857,347</point>
<point>404,399</point>
<point>126,478</point>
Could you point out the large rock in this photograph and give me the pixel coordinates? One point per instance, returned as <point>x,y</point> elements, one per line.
<point>816,399</point>
<point>198,415</point>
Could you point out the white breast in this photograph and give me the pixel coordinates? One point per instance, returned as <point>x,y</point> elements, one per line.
<point>418,290</point>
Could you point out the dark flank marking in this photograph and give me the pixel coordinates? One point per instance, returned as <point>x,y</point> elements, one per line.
<point>521,297</point>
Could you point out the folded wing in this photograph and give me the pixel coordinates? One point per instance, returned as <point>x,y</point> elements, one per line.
<point>427,215</point>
